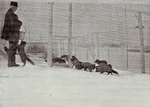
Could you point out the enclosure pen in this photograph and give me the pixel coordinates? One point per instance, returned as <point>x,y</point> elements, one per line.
<point>118,33</point>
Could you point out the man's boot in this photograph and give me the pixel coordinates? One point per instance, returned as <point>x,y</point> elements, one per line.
<point>9,61</point>
<point>13,60</point>
<point>12,53</point>
<point>9,56</point>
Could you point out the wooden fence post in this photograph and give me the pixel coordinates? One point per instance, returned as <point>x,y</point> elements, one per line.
<point>70,34</point>
<point>49,47</point>
<point>98,46</point>
<point>142,50</point>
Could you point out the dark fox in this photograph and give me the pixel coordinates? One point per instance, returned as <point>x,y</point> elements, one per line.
<point>75,62</point>
<point>88,65</point>
<point>58,60</point>
<point>100,61</point>
<point>105,68</point>
<point>97,61</point>
<point>22,53</point>
<point>64,57</point>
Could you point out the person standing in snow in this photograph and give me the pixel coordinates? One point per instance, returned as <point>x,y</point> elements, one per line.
<point>11,32</point>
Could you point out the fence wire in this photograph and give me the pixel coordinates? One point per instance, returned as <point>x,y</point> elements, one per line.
<point>102,30</point>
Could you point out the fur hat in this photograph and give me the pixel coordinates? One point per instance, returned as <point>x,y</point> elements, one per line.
<point>13,3</point>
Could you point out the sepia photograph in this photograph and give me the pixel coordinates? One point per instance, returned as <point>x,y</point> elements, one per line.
<point>74,53</point>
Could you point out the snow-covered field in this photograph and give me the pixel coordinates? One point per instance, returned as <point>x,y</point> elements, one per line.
<point>42,86</point>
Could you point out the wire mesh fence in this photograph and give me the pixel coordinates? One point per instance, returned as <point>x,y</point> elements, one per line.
<point>99,30</point>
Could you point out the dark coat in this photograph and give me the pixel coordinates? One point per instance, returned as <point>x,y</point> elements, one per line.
<point>11,27</point>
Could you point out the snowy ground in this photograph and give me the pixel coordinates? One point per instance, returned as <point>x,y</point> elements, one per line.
<point>41,86</point>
